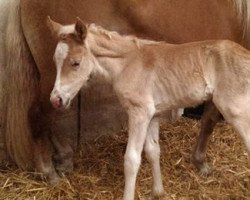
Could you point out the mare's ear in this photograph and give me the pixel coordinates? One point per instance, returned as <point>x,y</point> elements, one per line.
<point>53,26</point>
<point>80,29</point>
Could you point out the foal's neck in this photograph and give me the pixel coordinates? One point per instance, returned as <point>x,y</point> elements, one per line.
<point>111,50</point>
<point>110,44</point>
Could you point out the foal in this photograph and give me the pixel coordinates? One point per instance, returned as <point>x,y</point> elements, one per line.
<point>151,77</point>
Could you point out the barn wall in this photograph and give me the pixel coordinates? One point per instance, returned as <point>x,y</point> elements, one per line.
<point>4,5</point>
<point>101,112</point>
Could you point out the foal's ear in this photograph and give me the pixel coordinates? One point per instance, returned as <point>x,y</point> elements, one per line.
<point>80,29</point>
<point>53,26</point>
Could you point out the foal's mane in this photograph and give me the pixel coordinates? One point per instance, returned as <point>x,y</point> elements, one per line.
<point>113,35</point>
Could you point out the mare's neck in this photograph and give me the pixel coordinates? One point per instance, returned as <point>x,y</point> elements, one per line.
<point>111,51</point>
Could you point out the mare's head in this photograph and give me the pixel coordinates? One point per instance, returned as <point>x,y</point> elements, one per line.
<point>74,61</point>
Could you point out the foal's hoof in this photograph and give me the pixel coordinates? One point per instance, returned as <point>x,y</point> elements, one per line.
<point>201,165</point>
<point>158,193</point>
<point>205,169</point>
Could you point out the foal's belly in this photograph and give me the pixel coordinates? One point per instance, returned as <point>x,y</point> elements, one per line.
<point>188,98</point>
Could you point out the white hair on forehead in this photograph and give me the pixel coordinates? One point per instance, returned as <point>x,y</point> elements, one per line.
<point>68,29</point>
<point>61,53</point>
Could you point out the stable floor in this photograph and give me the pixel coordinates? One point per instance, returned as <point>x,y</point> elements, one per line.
<point>98,170</point>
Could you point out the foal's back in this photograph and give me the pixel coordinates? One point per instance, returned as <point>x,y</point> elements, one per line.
<point>188,74</point>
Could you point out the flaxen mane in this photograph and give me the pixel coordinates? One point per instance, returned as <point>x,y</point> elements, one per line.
<point>20,83</point>
<point>116,36</point>
<point>243,10</point>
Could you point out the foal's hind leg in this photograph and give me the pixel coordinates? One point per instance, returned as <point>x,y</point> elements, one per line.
<point>152,151</point>
<point>209,119</point>
<point>237,114</point>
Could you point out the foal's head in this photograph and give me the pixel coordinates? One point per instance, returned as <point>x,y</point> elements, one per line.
<point>74,61</point>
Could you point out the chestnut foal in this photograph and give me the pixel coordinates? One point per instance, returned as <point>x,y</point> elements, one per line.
<point>149,78</point>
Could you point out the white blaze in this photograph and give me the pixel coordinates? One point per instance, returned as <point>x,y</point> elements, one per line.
<point>61,54</point>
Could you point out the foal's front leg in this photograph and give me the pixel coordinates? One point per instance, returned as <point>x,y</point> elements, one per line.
<point>139,119</point>
<point>152,151</point>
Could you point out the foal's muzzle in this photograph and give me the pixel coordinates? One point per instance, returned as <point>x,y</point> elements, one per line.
<point>57,102</point>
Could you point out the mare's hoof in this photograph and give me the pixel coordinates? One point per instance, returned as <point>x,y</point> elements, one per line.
<point>64,169</point>
<point>53,179</point>
<point>64,165</point>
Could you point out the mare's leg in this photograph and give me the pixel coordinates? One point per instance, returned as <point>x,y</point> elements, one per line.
<point>62,140</point>
<point>139,119</point>
<point>53,132</point>
<point>43,159</point>
<point>48,143</point>
<point>209,119</point>
<point>152,151</point>
<point>40,126</point>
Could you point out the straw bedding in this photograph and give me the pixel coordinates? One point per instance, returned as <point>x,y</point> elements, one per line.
<point>98,170</point>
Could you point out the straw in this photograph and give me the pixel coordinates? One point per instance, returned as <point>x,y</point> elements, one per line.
<point>98,172</point>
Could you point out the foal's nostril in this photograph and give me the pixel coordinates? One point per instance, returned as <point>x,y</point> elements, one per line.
<point>57,102</point>
<point>60,101</point>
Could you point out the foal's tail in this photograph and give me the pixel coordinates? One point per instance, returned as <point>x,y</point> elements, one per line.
<point>243,10</point>
<point>19,85</point>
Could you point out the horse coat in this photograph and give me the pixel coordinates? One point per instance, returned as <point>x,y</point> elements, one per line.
<point>29,47</point>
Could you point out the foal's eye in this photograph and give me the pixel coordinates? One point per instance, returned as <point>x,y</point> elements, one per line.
<point>63,37</point>
<point>75,64</point>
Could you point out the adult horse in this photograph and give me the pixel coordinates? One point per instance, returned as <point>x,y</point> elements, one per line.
<point>30,124</point>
